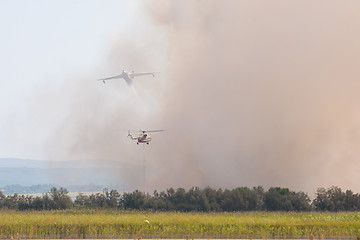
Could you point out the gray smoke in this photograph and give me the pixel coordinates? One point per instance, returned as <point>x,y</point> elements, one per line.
<point>251,93</point>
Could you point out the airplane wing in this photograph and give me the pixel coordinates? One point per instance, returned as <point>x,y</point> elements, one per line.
<point>141,74</point>
<point>109,78</point>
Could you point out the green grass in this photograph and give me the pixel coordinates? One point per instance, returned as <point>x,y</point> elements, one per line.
<point>131,224</point>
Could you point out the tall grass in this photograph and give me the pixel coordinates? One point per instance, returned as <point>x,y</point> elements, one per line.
<point>131,224</point>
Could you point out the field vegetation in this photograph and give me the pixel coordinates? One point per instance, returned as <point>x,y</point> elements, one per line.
<point>197,213</point>
<point>145,224</point>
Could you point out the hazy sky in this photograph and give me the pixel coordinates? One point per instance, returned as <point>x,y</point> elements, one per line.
<point>47,46</point>
<point>250,92</point>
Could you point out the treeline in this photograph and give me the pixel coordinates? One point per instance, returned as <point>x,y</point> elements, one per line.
<point>195,199</point>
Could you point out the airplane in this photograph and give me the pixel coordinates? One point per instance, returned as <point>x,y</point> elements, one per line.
<point>127,76</point>
<point>144,137</point>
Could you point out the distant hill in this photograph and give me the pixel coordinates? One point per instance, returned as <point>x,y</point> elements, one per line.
<point>27,172</point>
<point>21,163</point>
<point>45,188</point>
<point>29,163</point>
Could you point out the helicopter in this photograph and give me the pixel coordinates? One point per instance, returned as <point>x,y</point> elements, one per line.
<point>144,137</point>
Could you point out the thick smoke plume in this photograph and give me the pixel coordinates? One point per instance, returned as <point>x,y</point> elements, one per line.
<point>251,93</point>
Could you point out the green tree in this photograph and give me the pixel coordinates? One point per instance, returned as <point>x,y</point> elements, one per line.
<point>257,199</point>
<point>157,202</point>
<point>351,202</point>
<point>134,200</point>
<point>179,199</point>
<point>82,200</point>
<point>196,200</point>
<point>38,204</point>
<point>11,201</point>
<point>300,201</point>
<point>278,199</point>
<point>25,202</point>
<point>332,199</point>
<point>112,198</point>
<point>2,199</point>
<point>98,200</point>
<point>322,201</point>
<point>60,198</point>
<point>337,198</point>
<point>213,197</point>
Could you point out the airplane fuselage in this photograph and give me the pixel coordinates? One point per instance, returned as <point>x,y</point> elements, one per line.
<point>127,76</point>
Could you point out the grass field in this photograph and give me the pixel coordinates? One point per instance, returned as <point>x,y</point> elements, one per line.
<point>126,224</point>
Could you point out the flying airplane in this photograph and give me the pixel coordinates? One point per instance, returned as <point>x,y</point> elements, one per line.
<point>144,137</point>
<point>128,76</point>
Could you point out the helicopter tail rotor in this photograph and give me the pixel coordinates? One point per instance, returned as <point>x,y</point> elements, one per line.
<point>129,134</point>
